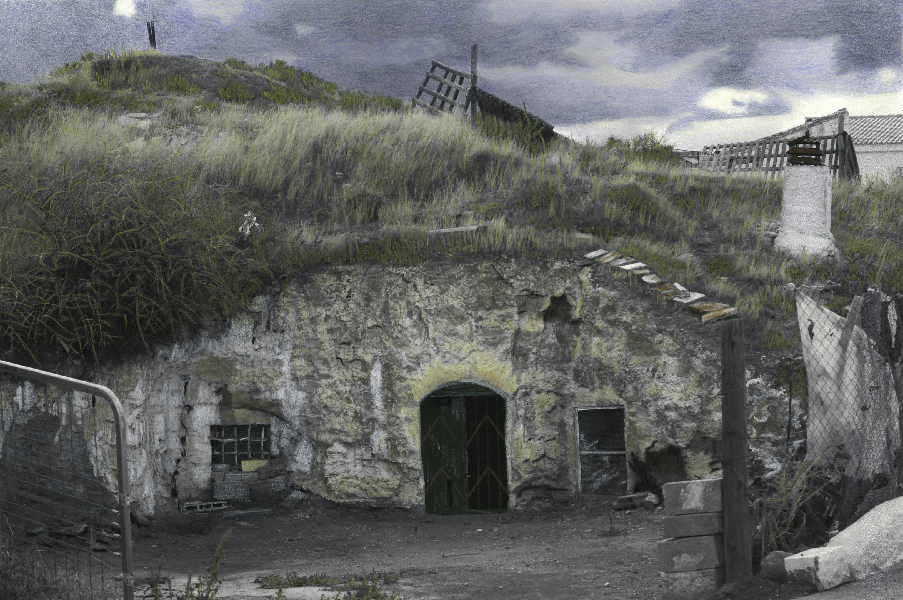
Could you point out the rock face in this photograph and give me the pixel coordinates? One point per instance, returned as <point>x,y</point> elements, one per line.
<point>337,363</point>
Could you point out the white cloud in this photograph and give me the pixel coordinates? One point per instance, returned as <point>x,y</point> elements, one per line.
<point>600,131</point>
<point>124,8</point>
<point>303,29</point>
<point>731,101</point>
<point>515,11</point>
<point>225,11</point>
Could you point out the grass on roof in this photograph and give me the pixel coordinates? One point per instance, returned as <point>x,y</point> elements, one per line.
<point>114,240</point>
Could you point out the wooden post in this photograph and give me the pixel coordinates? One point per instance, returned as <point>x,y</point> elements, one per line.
<point>151,35</point>
<point>737,522</point>
<point>473,84</point>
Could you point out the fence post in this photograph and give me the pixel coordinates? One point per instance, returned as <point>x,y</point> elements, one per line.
<point>473,84</point>
<point>151,35</point>
<point>737,529</point>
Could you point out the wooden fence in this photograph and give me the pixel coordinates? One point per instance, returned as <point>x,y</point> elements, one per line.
<point>770,156</point>
<point>448,87</point>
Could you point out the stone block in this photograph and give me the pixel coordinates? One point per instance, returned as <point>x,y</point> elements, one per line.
<point>717,315</point>
<point>825,567</point>
<point>236,491</point>
<point>688,297</point>
<point>253,465</point>
<point>595,254</point>
<point>652,279</point>
<point>692,585</point>
<point>622,261</point>
<point>242,476</point>
<point>633,266</point>
<point>691,553</point>
<point>607,258</point>
<point>699,496</point>
<point>773,566</point>
<point>707,307</point>
<point>269,490</point>
<point>689,525</point>
<point>220,468</point>
<point>219,476</point>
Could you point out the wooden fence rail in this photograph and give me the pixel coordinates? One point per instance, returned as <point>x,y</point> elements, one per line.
<point>770,156</point>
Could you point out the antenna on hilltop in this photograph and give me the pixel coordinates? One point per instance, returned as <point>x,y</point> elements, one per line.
<point>152,35</point>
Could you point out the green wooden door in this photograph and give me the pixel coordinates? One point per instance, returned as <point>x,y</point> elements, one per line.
<point>444,449</point>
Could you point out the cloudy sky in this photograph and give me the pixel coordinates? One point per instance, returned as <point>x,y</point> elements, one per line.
<point>699,72</point>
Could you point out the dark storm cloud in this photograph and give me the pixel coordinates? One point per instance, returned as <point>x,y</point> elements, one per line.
<point>869,31</point>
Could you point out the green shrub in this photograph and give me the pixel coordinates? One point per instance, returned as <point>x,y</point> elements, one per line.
<point>234,91</point>
<point>179,85</point>
<point>720,265</point>
<point>280,70</point>
<point>236,63</point>
<point>207,105</point>
<point>284,95</point>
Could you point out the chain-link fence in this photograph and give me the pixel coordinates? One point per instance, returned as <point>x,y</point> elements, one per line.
<point>843,418</point>
<point>64,521</point>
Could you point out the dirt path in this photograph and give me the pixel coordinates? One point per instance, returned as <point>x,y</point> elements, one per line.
<point>569,553</point>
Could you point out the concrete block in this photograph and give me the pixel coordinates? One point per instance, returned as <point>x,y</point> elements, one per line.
<point>253,465</point>
<point>219,476</point>
<point>242,476</point>
<point>699,496</point>
<point>680,526</point>
<point>825,567</point>
<point>691,553</point>
<point>692,585</point>
<point>236,491</point>
<point>220,468</point>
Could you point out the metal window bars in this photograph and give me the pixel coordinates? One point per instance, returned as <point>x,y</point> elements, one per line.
<point>230,444</point>
<point>64,486</point>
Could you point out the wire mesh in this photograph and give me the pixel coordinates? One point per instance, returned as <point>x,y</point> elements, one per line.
<point>60,507</point>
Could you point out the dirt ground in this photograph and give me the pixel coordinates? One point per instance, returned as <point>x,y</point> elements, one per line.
<point>577,552</point>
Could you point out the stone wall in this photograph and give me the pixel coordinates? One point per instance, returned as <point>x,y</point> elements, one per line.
<point>338,361</point>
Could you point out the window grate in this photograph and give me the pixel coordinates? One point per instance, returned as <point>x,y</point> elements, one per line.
<point>231,444</point>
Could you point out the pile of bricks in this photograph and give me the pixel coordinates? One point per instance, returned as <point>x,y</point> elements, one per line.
<point>691,556</point>
<point>257,480</point>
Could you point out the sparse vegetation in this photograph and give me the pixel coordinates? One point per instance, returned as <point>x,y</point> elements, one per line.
<point>337,177</point>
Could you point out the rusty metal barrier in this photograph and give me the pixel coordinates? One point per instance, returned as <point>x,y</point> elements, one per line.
<point>65,530</point>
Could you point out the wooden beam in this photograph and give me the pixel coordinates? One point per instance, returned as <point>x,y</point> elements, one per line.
<point>473,84</point>
<point>738,533</point>
<point>450,70</point>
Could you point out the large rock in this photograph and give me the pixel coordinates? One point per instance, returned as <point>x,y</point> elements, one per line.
<point>873,543</point>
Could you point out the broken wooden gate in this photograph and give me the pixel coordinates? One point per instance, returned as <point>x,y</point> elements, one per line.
<point>463,448</point>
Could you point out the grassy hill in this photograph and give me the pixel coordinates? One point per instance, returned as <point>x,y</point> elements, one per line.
<point>113,238</point>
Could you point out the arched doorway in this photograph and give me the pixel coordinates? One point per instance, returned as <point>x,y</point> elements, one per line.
<point>462,443</point>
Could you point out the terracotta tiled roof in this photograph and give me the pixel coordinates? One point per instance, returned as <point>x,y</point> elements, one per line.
<point>875,129</point>
<point>808,124</point>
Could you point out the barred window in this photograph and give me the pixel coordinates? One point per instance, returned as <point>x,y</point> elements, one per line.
<point>231,444</point>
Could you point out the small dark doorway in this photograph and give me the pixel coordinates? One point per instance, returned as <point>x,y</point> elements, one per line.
<point>603,450</point>
<point>463,448</point>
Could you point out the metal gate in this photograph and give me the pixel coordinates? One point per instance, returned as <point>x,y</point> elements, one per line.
<point>64,514</point>
<point>463,449</point>
<point>603,450</point>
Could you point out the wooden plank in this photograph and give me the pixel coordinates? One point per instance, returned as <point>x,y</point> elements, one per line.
<point>738,531</point>
<point>437,96</point>
<point>432,109</point>
<point>437,78</point>
<point>448,69</point>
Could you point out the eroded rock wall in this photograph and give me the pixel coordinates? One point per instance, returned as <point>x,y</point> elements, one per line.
<point>338,361</point>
